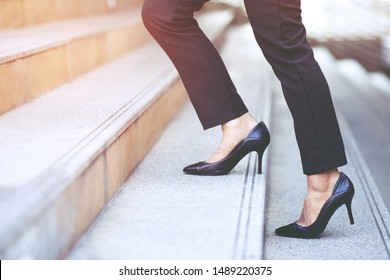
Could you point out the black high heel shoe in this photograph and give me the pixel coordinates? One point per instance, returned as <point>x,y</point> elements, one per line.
<point>342,194</point>
<point>256,141</point>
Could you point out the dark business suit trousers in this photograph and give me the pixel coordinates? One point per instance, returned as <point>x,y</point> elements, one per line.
<point>279,31</point>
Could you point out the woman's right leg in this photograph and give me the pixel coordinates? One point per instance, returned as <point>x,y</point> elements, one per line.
<point>201,69</point>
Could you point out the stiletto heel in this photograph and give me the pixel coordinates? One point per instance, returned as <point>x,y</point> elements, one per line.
<point>343,193</point>
<point>260,162</point>
<point>349,209</point>
<point>256,141</point>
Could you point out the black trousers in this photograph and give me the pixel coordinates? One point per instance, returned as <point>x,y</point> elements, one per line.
<point>278,28</point>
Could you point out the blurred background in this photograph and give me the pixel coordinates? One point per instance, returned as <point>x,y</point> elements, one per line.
<point>349,28</point>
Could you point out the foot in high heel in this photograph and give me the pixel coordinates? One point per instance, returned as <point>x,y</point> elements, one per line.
<point>343,193</point>
<point>256,141</point>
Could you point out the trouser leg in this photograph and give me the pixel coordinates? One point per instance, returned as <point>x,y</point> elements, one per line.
<point>201,69</point>
<point>279,31</point>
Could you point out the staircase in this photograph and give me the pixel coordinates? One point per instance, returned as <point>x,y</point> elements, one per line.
<point>85,93</point>
<point>95,127</point>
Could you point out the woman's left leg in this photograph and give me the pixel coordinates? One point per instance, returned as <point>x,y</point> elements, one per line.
<point>204,75</point>
<point>209,86</point>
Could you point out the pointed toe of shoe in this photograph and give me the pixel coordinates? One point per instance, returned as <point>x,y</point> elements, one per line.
<point>286,230</point>
<point>296,231</point>
<point>206,169</point>
<point>193,169</point>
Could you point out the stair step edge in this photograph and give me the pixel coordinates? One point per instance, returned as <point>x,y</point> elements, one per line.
<point>12,232</point>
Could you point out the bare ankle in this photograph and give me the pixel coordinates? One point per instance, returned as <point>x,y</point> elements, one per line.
<point>323,182</point>
<point>233,132</point>
<point>319,189</point>
<point>245,122</point>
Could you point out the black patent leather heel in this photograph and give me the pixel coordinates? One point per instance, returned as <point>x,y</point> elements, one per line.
<point>349,209</point>
<point>256,141</point>
<point>260,162</point>
<point>343,193</point>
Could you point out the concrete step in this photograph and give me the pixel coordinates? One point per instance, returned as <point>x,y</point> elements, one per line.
<point>65,154</point>
<point>369,238</point>
<point>369,83</point>
<point>18,13</point>
<point>161,213</point>
<point>34,60</point>
<point>351,29</point>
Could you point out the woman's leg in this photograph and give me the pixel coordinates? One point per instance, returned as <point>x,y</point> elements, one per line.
<point>210,88</point>
<point>201,69</point>
<point>281,35</point>
<point>279,31</point>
